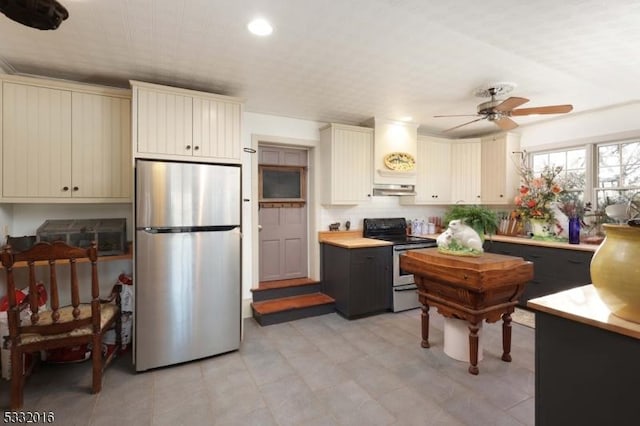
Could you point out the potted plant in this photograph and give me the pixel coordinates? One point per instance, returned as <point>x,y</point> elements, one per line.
<point>481,219</point>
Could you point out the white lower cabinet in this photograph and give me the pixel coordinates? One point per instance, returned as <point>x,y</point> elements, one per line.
<point>433,172</point>
<point>64,142</point>
<point>466,171</point>
<point>346,159</point>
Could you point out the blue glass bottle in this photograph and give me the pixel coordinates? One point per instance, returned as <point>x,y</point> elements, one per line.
<point>574,230</point>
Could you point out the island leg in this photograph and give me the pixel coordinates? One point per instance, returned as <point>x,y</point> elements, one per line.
<point>506,337</point>
<point>425,326</point>
<point>473,348</point>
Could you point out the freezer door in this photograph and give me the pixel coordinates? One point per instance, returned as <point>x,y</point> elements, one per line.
<point>186,194</point>
<point>188,296</point>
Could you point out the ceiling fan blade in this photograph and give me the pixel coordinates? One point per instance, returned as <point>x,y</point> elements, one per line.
<point>505,123</point>
<point>457,115</point>
<point>551,109</point>
<point>464,124</point>
<point>510,103</point>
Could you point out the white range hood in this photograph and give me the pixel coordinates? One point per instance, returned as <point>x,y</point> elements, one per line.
<point>393,137</point>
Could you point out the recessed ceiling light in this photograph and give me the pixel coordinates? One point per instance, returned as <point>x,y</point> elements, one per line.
<point>260,27</point>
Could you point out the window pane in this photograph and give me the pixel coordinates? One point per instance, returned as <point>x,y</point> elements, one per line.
<point>540,161</point>
<point>631,175</point>
<point>631,153</point>
<point>558,159</point>
<point>608,177</point>
<point>576,159</point>
<point>576,179</point>
<point>609,155</point>
<point>280,184</point>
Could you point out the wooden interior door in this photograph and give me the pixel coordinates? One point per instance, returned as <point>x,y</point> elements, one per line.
<point>283,236</point>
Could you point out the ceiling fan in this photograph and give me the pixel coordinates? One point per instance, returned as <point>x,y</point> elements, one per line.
<point>498,111</point>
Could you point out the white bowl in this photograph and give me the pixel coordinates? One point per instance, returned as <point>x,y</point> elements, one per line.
<point>617,212</point>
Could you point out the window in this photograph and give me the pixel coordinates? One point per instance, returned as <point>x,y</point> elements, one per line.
<point>574,168</point>
<point>618,172</point>
<point>282,184</point>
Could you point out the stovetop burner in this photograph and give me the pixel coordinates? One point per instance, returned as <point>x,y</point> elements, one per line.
<point>393,230</point>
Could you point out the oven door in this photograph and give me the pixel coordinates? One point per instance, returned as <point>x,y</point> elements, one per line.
<point>401,277</point>
<point>405,297</point>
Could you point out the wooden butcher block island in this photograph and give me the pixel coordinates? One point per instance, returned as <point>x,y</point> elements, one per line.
<point>469,288</point>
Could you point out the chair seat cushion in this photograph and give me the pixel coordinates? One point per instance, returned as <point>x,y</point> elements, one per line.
<point>107,312</point>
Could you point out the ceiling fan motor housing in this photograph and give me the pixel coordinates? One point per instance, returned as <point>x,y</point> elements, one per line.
<point>40,14</point>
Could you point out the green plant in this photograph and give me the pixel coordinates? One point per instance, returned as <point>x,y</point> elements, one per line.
<point>481,219</point>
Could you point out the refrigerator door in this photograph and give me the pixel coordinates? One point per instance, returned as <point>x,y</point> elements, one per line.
<point>188,302</point>
<point>186,194</point>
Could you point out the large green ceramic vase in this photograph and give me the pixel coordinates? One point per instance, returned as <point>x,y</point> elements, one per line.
<point>615,271</point>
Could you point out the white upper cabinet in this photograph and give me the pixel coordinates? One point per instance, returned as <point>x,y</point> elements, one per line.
<point>101,146</point>
<point>164,123</point>
<point>500,180</point>
<point>347,159</point>
<point>466,171</point>
<point>172,123</point>
<point>433,172</point>
<point>64,142</point>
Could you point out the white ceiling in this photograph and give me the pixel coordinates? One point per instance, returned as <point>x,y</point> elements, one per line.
<point>347,61</point>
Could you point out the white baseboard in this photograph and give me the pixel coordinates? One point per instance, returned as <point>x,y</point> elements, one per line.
<point>246,308</point>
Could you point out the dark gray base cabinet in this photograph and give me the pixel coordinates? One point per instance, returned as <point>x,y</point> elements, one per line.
<point>584,375</point>
<point>359,280</point>
<point>554,269</point>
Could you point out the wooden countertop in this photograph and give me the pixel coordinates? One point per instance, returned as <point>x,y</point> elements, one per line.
<point>583,304</point>
<point>349,239</point>
<point>530,242</point>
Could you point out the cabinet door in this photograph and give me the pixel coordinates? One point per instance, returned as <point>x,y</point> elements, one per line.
<point>370,280</point>
<point>500,178</point>
<point>101,146</point>
<point>465,172</point>
<point>433,172</point>
<point>351,166</point>
<point>36,157</point>
<point>216,130</point>
<point>165,123</point>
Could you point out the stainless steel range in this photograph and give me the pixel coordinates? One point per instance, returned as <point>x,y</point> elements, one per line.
<point>394,230</point>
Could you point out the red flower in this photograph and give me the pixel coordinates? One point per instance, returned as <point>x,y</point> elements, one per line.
<point>531,203</point>
<point>524,189</point>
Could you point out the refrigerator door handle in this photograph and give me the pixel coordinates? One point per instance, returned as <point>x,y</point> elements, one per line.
<point>179,229</point>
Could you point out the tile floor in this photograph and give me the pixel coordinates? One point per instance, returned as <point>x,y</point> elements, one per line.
<point>316,371</point>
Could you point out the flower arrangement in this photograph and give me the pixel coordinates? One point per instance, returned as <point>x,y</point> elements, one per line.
<point>538,193</point>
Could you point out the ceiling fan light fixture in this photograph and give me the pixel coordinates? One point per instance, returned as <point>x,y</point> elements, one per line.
<point>40,14</point>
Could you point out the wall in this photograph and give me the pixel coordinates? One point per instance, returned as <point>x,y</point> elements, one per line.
<point>615,123</point>
<point>24,219</point>
<point>263,128</point>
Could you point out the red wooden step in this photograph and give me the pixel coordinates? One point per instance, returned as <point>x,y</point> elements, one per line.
<point>294,282</point>
<point>290,303</point>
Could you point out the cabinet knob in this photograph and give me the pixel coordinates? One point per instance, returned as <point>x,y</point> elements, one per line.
<point>368,195</point>
<point>65,188</point>
<point>477,196</point>
<point>501,195</point>
<point>436,196</point>
<point>75,188</point>
<point>188,147</point>
<point>195,148</point>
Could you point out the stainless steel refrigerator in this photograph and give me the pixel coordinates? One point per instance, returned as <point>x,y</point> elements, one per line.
<point>187,262</point>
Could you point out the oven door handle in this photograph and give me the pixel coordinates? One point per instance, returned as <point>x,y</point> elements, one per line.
<point>409,287</point>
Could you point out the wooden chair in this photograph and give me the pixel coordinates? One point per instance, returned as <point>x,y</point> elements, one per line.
<point>57,327</point>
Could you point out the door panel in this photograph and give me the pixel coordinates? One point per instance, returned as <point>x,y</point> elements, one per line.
<point>283,237</point>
